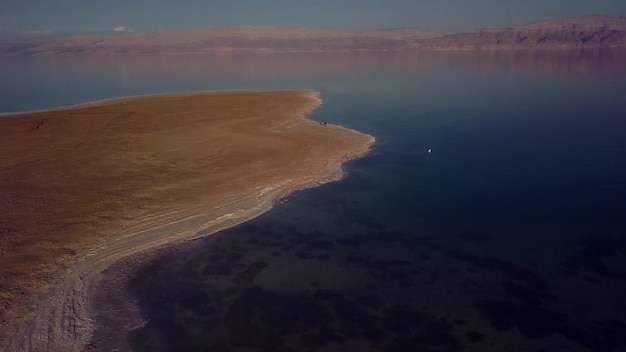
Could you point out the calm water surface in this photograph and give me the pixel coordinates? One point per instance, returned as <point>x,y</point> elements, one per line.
<point>510,235</point>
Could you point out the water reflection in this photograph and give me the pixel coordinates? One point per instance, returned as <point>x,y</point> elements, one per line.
<point>593,62</point>
<point>577,62</point>
<point>41,82</point>
<point>254,66</point>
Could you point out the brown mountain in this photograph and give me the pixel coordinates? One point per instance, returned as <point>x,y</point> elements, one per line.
<point>572,32</point>
<point>208,40</point>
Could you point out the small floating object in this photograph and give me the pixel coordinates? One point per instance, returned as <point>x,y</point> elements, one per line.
<point>430,150</point>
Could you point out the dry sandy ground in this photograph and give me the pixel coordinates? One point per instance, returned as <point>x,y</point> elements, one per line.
<point>84,186</point>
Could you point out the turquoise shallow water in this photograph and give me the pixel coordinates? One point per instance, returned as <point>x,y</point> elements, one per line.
<point>509,235</point>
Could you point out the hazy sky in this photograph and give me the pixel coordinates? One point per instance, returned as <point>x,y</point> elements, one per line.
<point>145,15</point>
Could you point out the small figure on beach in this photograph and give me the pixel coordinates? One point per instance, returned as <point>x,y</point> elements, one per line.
<point>323,122</point>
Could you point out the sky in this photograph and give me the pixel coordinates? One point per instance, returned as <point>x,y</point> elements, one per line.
<point>148,15</point>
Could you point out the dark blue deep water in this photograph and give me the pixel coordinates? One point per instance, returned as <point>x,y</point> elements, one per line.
<point>510,235</point>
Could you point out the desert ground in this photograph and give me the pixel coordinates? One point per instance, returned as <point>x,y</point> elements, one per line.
<point>84,186</point>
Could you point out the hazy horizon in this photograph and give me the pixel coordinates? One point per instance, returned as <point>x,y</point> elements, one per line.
<point>445,15</point>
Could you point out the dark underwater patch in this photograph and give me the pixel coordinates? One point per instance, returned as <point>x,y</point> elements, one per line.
<point>474,237</point>
<point>589,255</point>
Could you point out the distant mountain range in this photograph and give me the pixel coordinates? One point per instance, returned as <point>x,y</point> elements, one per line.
<point>571,32</point>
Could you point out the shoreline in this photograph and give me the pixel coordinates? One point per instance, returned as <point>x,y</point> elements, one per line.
<point>117,273</point>
<point>65,303</point>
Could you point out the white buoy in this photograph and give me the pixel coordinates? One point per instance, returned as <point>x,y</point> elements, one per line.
<point>430,150</point>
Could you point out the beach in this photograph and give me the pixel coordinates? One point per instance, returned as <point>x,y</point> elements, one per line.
<point>84,186</point>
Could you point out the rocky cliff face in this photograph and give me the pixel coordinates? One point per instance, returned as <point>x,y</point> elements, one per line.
<point>579,32</point>
<point>572,32</point>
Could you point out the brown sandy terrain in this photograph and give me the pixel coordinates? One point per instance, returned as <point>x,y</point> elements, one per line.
<point>82,187</point>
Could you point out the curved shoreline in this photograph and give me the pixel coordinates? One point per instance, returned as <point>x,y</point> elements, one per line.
<point>68,304</point>
<point>59,319</point>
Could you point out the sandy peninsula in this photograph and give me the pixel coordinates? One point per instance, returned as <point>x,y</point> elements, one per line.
<point>84,186</point>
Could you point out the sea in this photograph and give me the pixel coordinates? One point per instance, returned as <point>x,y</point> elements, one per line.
<point>490,214</point>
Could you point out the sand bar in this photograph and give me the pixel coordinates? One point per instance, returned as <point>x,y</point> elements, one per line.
<point>84,186</point>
